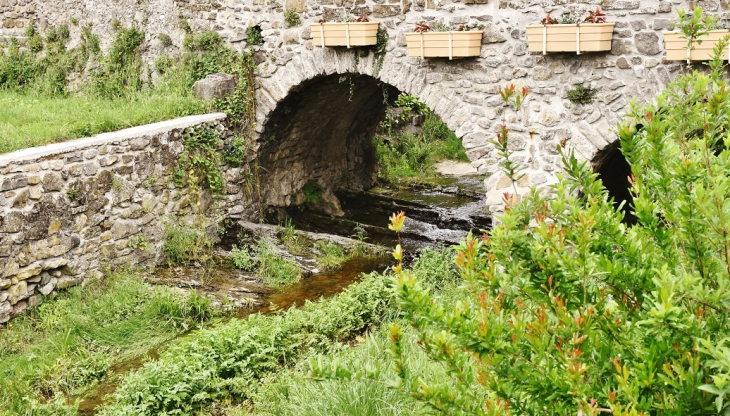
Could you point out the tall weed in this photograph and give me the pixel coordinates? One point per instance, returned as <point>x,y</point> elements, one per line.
<point>185,243</point>
<point>406,156</point>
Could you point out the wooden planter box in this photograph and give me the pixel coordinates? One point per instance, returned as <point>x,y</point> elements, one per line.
<point>345,34</point>
<point>444,44</point>
<point>677,46</point>
<point>578,38</point>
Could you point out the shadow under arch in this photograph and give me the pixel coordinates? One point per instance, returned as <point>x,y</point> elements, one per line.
<point>322,131</point>
<point>614,171</point>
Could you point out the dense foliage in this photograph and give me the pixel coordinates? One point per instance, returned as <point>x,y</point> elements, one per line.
<point>572,311</point>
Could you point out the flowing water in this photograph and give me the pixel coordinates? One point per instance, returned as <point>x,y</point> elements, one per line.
<point>435,217</point>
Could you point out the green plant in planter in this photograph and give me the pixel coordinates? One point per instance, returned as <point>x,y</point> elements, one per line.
<point>693,27</point>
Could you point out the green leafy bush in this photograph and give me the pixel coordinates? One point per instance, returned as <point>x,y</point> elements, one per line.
<point>121,68</point>
<point>572,311</point>
<point>165,40</point>
<point>312,191</point>
<point>582,94</point>
<point>242,259</point>
<point>207,41</point>
<point>410,104</point>
<point>199,165</point>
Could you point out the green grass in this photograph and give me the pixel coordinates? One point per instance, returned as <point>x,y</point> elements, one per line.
<point>227,363</point>
<point>294,393</point>
<point>405,158</point>
<point>264,260</point>
<point>28,120</point>
<point>67,345</point>
<point>331,255</point>
<point>185,243</point>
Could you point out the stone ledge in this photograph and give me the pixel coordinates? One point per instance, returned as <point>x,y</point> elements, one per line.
<point>35,153</point>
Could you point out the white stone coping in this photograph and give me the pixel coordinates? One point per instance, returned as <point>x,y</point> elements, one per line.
<point>33,153</point>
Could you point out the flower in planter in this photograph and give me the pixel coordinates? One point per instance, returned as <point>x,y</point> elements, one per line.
<point>596,17</point>
<point>362,19</point>
<point>463,28</point>
<point>571,33</point>
<point>422,27</point>
<point>570,19</point>
<point>548,20</point>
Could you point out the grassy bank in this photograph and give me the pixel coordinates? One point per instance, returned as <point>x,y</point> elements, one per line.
<point>66,346</point>
<point>407,159</point>
<point>28,120</point>
<point>51,93</point>
<point>227,363</point>
<point>294,393</point>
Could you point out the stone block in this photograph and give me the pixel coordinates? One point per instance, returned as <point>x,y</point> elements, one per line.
<point>46,289</point>
<point>12,222</point>
<point>17,292</point>
<point>52,182</point>
<point>647,43</point>
<point>383,10</point>
<point>28,272</point>
<point>66,282</point>
<point>214,86</point>
<point>5,310</point>
<point>14,182</point>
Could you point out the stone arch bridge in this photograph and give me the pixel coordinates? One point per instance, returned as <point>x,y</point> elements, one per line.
<point>317,107</point>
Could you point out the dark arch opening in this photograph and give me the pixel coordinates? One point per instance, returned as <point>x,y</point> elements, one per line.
<point>614,171</point>
<point>322,131</point>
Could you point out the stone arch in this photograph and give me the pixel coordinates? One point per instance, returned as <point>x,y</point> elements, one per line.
<point>316,115</point>
<point>614,171</point>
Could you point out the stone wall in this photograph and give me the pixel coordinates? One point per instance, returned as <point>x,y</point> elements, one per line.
<point>68,209</point>
<point>463,92</point>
